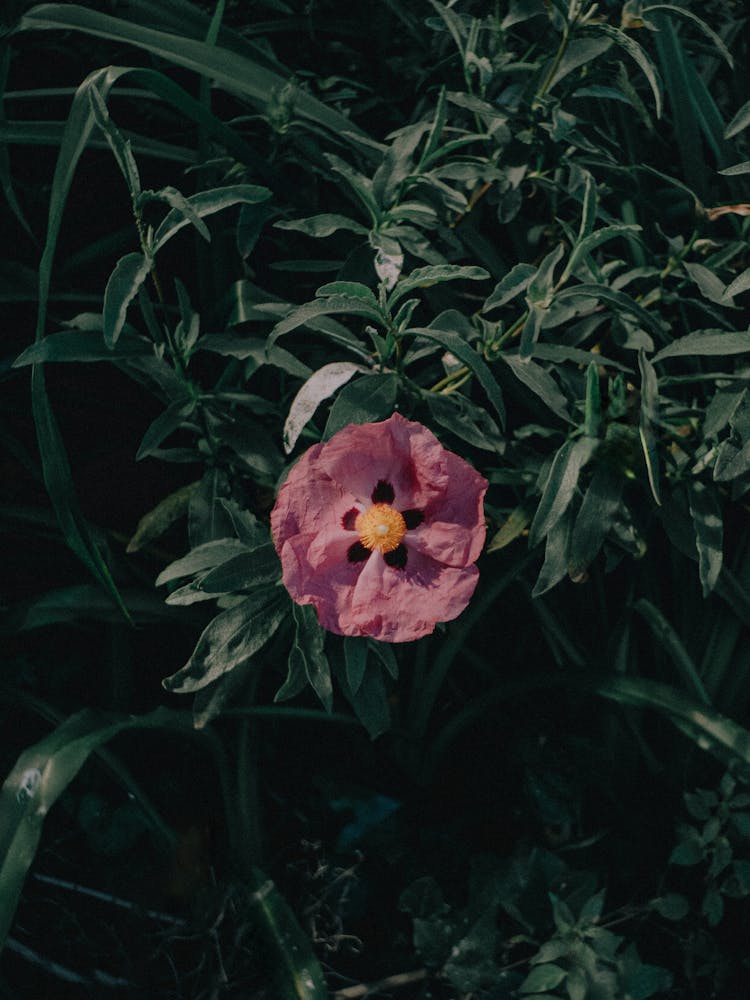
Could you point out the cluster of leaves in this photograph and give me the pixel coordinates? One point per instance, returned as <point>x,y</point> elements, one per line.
<point>536,245</point>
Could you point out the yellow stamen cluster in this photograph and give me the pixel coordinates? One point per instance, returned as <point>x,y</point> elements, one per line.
<point>381,527</point>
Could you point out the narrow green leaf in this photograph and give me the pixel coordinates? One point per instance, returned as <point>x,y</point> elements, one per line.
<point>201,558</point>
<point>120,147</point>
<point>739,122</point>
<point>465,353</point>
<point>510,529</point>
<point>649,410</point>
<point>165,424</point>
<point>540,382</point>
<point>561,486</point>
<point>310,640</point>
<point>556,555</point>
<point>594,240</point>
<point>238,73</point>
<point>41,774</point>
<point>602,293</point>
<point>709,532</point>
<point>355,657</point>
<point>698,22</point>
<point>320,226</point>
<point>129,274</point>
<point>59,484</point>
<point>332,304</point>
<point>640,57</point>
<point>665,634</point>
<point>296,971</point>
<point>206,203</point>
<point>702,343</point>
<point>245,571</point>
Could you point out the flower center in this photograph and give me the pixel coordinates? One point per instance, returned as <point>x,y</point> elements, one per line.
<point>381,527</point>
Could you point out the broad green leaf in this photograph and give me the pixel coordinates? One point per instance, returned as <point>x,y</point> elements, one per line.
<point>296,973</point>
<point>353,289</point>
<point>560,486</point>
<point>739,122</point>
<point>709,284</point>
<point>582,50</point>
<point>464,352</point>
<point>322,384</point>
<point>423,277</point>
<point>741,283</point>
<point>706,513</point>
<point>231,638</point>
<point>370,398</point>
<point>246,571</point>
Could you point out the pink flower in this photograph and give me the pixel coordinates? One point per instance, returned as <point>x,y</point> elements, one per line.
<point>379,528</point>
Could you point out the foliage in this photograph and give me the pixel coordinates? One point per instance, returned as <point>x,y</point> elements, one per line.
<point>521,224</point>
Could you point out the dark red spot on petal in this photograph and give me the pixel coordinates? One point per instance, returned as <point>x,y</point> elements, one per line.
<point>397,558</point>
<point>347,521</point>
<point>383,492</point>
<point>412,518</point>
<point>357,553</point>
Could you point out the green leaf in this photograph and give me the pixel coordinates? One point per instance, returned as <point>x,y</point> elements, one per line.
<point>435,274</point>
<point>129,274</point>
<point>370,701</point>
<point>201,558</point>
<point>665,634</point>
<point>59,484</point>
<point>309,640</point>
<point>705,343</point>
<point>739,122</point>
<point>648,415</point>
<point>41,774</point>
<point>599,508</point>
<point>203,204</point>
<point>510,529</point>
<point>328,306</point>
<point>322,384</point>
<point>672,906</point>
<point>237,73</point>
<point>464,352</point>
<point>296,973</point>
<point>370,398</point>
<point>542,978</point>
<point>355,657</point>
<point>590,243</point>
<point>639,56</point>
<point>165,424</point>
<point>556,555</point>
<point>231,638</point>
<point>320,226</point>
<point>80,345</point>
<point>709,533</point>
<point>540,382</point>
<point>246,571</point>
<point>560,486</point>
<point>603,293</point>
<point>515,281</point>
